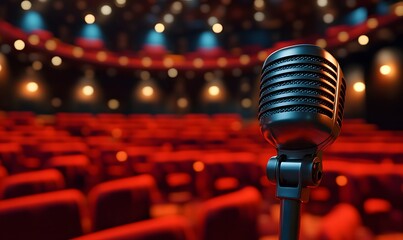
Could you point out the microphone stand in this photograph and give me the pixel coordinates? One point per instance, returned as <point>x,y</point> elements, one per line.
<point>294,173</point>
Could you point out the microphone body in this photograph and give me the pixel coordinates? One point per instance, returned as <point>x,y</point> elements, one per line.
<point>301,104</point>
<point>301,98</point>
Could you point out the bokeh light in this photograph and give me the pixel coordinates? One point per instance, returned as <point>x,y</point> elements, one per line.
<point>32,87</point>
<point>88,90</point>
<point>147,91</point>
<point>359,86</point>
<point>385,69</point>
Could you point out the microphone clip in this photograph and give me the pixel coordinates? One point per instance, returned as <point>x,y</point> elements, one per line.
<point>294,174</point>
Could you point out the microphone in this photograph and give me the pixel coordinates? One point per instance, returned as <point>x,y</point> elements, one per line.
<point>301,104</point>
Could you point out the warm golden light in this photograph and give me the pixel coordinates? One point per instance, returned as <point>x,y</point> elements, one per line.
<point>88,90</point>
<point>363,40</point>
<point>343,36</point>
<point>113,104</point>
<point>341,180</point>
<point>19,44</point>
<point>372,23</point>
<point>246,103</point>
<point>198,166</point>
<point>50,45</point>
<point>123,60</point>
<point>159,27</point>
<point>172,72</point>
<point>399,10</point>
<point>106,10</point>
<point>244,59</point>
<point>89,18</point>
<point>385,69</point>
<point>321,3</point>
<point>32,87</point>
<point>26,5</point>
<point>121,156</point>
<point>321,43</point>
<point>33,39</point>
<point>56,61</point>
<point>328,18</point>
<point>147,91</point>
<point>78,52</point>
<point>182,102</point>
<point>217,28</point>
<point>359,86</point>
<point>214,90</point>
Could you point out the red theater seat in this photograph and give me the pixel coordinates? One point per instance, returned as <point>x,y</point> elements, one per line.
<point>31,183</point>
<point>75,169</point>
<point>121,201</point>
<point>232,216</point>
<point>169,228</point>
<point>55,215</point>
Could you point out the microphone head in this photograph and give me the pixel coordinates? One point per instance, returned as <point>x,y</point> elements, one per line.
<point>301,100</point>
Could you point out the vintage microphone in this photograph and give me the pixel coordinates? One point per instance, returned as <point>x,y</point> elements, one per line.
<point>301,105</point>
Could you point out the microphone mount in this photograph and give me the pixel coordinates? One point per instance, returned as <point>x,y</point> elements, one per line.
<point>294,173</point>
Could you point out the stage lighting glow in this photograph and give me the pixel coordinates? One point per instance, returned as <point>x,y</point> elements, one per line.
<point>116,133</point>
<point>182,102</point>
<point>246,103</point>
<point>372,23</point>
<point>89,18</point>
<point>198,63</point>
<point>385,69</point>
<point>212,20</point>
<point>198,166</point>
<point>101,56</point>
<point>147,91</point>
<point>50,45</point>
<point>113,104</point>
<point>87,90</point>
<point>1,67</point>
<point>26,5</point>
<point>145,75</point>
<point>244,59</point>
<point>168,18</point>
<point>321,3</point>
<point>217,28</point>
<point>341,180</point>
<point>172,72</point>
<point>343,36</point>
<point>259,16</point>
<point>146,61</point>
<point>321,43</point>
<point>78,52</point>
<point>56,102</point>
<point>259,4</point>
<point>363,40</point>
<point>19,44</point>
<point>359,87</point>
<point>123,60</point>
<point>32,21</point>
<point>399,10</point>
<point>106,10</point>
<point>32,87</point>
<point>37,65</point>
<point>176,7</point>
<point>33,39</point>
<point>120,3</point>
<point>328,18</point>
<point>214,90</point>
<point>121,156</point>
<point>56,61</point>
<point>159,27</point>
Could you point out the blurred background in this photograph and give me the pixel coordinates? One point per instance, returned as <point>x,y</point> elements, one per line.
<point>140,117</point>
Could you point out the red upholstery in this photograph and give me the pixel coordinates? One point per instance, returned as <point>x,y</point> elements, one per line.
<point>31,183</point>
<point>55,215</point>
<point>343,222</point>
<point>74,168</point>
<point>232,216</point>
<point>121,201</point>
<point>169,228</point>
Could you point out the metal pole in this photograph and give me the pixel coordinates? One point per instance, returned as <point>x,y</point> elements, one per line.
<point>290,214</point>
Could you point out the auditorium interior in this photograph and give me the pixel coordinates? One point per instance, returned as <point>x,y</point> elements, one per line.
<point>123,119</point>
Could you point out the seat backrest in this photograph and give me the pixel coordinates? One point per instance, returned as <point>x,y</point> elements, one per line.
<point>121,201</point>
<point>28,183</point>
<point>54,215</point>
<point>231,216</point>
<point>166,228</point>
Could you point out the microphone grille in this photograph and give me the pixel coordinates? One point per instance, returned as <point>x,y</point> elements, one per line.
<point>303,82</point>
